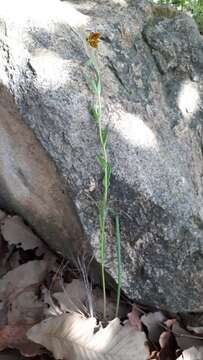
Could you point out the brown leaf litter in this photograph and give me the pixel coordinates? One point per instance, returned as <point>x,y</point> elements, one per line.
<point>32,288</point>
<point>20,304</point>
<point>14,336</point>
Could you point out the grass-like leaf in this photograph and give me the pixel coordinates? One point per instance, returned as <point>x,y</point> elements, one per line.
<point>105,136</point>
<point>95,112</point>
<point>102,162</point>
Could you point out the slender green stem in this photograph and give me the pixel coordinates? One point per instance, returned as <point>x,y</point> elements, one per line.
<point>97,114</point>
<point>104,201</point>
<point>119,262</point>
<point>96,111</point>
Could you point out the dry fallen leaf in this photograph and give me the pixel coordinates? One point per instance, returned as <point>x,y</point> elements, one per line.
<point>192,318</point>
<point>14,336</point>
<point>168,346</point>
<point>11,355</point>
<point>196,329</point>
<point>134,318</point>
<point>164,338</point>
<point>3,313</point>
<point>72,297</point>
<point>153,323</point>
<point>33,272</point>
<point>73,337</point>
<point>50,308</point>
<point>184,339</point>
<point>26,307</point>
<point>169,323</point>
<point>2,215</point>
<point>194,322</point>
<point>21,306</point>
<point>4,251</point>
<point>15,232</point>
<point>192,354</point>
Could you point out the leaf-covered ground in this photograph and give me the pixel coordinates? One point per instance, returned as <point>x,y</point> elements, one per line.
<point>45,308</point>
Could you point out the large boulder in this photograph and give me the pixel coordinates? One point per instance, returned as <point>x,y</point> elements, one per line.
<point>152,76</point>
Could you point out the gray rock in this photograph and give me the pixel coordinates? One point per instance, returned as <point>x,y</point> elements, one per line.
<point>152,80</point>
<point>30,184</point>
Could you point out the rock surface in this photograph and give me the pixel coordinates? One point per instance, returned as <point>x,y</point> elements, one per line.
<point>30,185</point>
<point>153,103</point>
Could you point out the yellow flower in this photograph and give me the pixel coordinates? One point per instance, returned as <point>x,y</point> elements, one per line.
<point>93,39</point>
